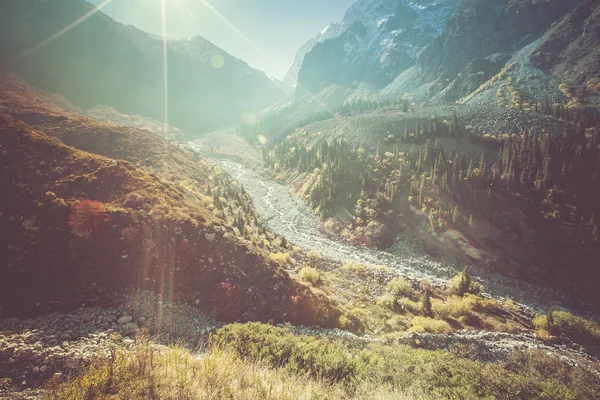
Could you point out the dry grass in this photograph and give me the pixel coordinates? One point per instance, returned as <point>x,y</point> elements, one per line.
<point>175,373</point>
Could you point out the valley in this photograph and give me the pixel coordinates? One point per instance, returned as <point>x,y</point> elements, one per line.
<point>411,213</point>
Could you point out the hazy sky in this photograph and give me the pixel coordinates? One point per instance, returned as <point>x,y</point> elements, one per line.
<point>264,33</point>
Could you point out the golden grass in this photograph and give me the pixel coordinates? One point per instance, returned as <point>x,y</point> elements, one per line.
<point>177,374</point>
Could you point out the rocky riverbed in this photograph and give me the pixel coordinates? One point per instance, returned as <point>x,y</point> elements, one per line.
<point>290,216</point>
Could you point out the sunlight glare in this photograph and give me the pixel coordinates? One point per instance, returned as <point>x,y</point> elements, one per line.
<point>66,28</point>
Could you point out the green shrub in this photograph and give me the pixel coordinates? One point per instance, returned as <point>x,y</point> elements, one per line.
<point>440,308</point>
<point>354,267</point>
<point>437,374</point>
<point>389,301</point>
<point>310,275</point>
<point>400,287</point>
<point>567,324</point>
<point>462,306</point>
<point>462,284</point>
<point>319,358</point>
<point>410,306</point>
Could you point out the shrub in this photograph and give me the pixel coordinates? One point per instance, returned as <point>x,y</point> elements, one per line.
<point>379,372</point>
<point>310,275</point>
<point>280,258</point>
<point>87,216</point>
<point>410,306</point>
<point>462,306</point>
<point>567,324</point>
<point>400,287</point>
<point>440,308</point>
<point>389,301</point>
<point>424,324</point>
<point>511,306</point>
<point>354,267</point>
<point>462,284</point>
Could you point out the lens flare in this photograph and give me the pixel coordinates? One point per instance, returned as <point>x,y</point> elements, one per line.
<point>66,28</point>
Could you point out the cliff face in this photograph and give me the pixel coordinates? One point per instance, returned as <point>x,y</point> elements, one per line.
<point>378,40</point>
<point>103,62</point>
<point>571,47</point>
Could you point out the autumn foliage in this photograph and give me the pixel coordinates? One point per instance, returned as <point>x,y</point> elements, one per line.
<point>87,216</point>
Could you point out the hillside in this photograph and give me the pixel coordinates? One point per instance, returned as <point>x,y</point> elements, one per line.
<point>94,207</point>
<point>102,62</point>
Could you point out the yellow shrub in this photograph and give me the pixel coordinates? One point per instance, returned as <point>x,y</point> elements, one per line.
<point>280,258</point>
<point>440,308</point>
<point>310,275</point>
<point>388,301</point>
<point>355,267</point>
<point>462,306</point>
<point>400,287</point>
<point>511,306</point>
<point>410,306</point>
<point>424,324</point>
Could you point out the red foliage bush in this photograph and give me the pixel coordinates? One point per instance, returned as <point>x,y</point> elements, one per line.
<point>87,216</point>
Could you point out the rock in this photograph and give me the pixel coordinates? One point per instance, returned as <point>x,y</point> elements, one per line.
<point>72,363</point>
<point>128,342</point>
<point>130,328</point>
<point>86,317</point>
<point>124,320</point>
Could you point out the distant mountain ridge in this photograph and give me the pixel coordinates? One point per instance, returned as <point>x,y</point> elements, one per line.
<point>101,61</point>
<point>377,40</point>
<point>447,50</point>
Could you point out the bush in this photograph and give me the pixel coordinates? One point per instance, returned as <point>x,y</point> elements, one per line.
<point>310,275</point>
<point>389,301</point>
<point>440,374</point>
<point>567,324</point>
<point>430,325</point>
<point>410,306</point>
<point>511,306</point>
<point>440,308</point>
<point>87,216</point>
<point>462,306</point>
<point>320,358</point>
<point>462,284</point>
<point>400,287</point>
<point>280,258</point>
<point>354,267</point>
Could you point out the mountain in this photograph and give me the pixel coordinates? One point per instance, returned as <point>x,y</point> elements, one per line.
<point>100,61</point>
<point>514,53</point>
<point>378,40</point>
<point>330,31</point>
<point>94,208</point>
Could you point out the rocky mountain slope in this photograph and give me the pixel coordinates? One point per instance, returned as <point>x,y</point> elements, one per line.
<point>376,41</point>
<point>94,207</point>
<point>518,52</point>
<point>100,61</point>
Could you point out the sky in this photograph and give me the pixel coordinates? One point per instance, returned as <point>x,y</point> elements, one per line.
<point>264,33</point>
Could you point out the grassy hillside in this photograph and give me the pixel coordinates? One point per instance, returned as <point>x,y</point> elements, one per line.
<point>120,206</point>
<point>261,362</point>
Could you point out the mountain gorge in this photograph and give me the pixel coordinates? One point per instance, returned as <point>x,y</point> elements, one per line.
<point>102,62</point>
<point>419,220</point>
